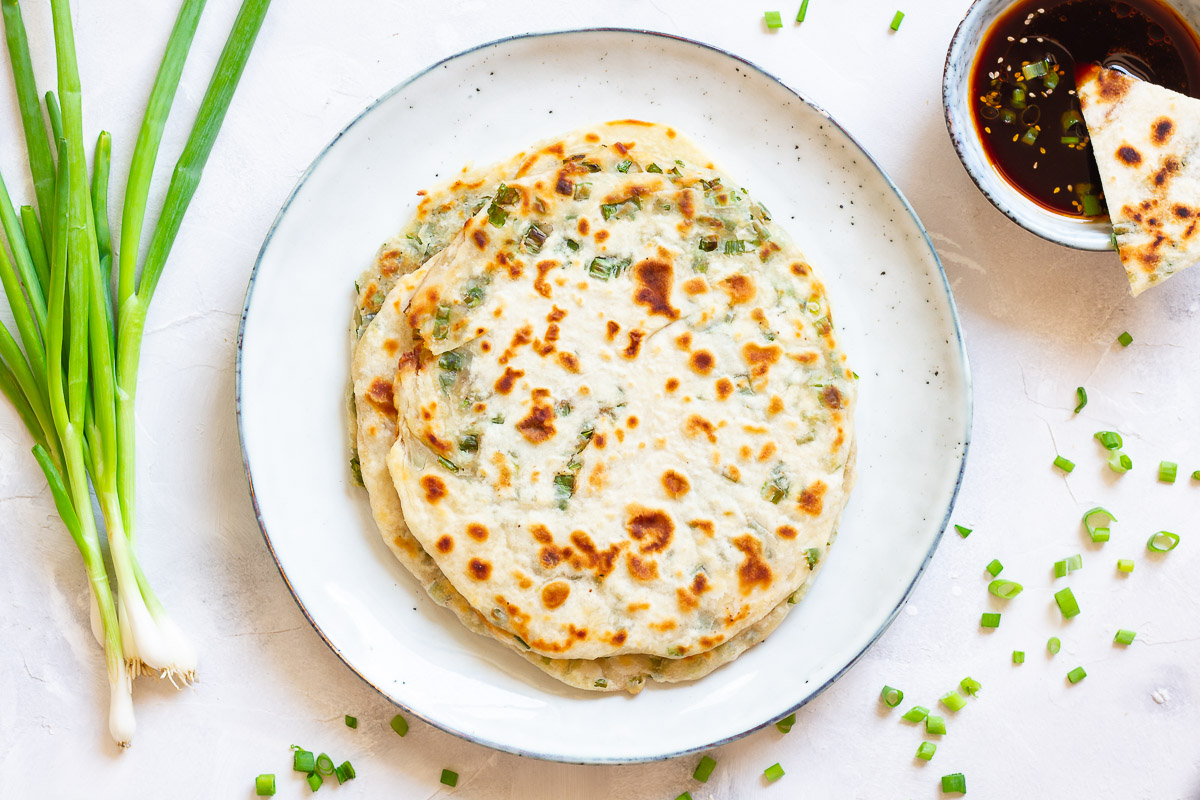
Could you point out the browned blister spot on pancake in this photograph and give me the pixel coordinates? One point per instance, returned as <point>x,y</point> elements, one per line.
<point>380,396</point>
<point>568,361</point>
<point>745,452</point>
<point>705,526</point>
<point>391,346</point>
<point>831,397</point>
<point>598,478</point>
<point>753,572</point>
<point>702,362</point>
<point>642,570</point>
<point>1128,155</point>
<point>799,269</point>
<point>760,359</point>
<point>479,569</point>
<point>438,444</point>
<point>1183,212</point>
<point>504,480</point>
<point>767,451</point>
<point>480,237</point>
<point>709,642</point>
<point>695,286</point>
<point>740,288</point>
<point>555,594</point>
<point>676,484</point>
<point>635,343</point>
<point>435,488</point>
<point>631,421</point>
<point>1161,130</point>
<point>724,388</point>
<point>653,278</point>
<point>651,528</point>
<point>583,226</point>
<point>684,340</point>
<point>613,329</point>
<point>618,638</point>
<point>733,473</point>
<point>601,236</point>
<point>599,441</point>
<point>668,625</point>
<point>445,544</point>
<point>538,424</point>
<point>539,283</point>
<point>477,532</point>
<point>812,499</point>
<point>787,532</point>
<point>686,600</point>
<point>1113,84</point>
<point>672,384</point>
<point>1169,169</point>
<point>505,383</point>
<point>512,266</point>
<point>556,314</point>
<point>697,425</point>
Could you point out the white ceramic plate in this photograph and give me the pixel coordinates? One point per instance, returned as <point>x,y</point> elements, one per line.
<point>892,306</point>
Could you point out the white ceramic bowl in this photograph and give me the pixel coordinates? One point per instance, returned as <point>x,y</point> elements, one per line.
<point>956,99</point>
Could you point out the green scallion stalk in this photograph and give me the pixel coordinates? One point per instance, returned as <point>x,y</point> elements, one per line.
<point>1053,645</point>
<point>803,12</point>
<point>994,567</point>
<point>963,531</point>
<point>989,620</point>
<point>1125,564</point>
<point>952,700</point>
<point>773,773</point>
<point>1065,464</point>
<point>314,781</point>
<point>891,697</point>
<point>303,760</point>
<point>773,19</point>
<point>1004,589</point>
<point>1110,440</point>
<point>1120,463</point>
<point>1067,603</point>
<point>915,714</point>
<point>1167,471</point>
<point>345,772</point>
<point>956,782</point>
<point>935,726</point>
<point>1125,339</point>
<point>1018,656</point>
<point>785,725</point>
<point>1076,675</point>
<point>897,18</point>
<point>704,769</point>
<point>264,785</point>
<point>37,144</point>
<point>449,777</point>
<point>926,750</point>
<point>1162,542</point>
<point>1081,396</point>
<point>970,686</point>
<point>1124,637</point>
<point>351,722</point>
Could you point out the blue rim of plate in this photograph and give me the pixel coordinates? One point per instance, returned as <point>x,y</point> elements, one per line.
<point>966,367</point>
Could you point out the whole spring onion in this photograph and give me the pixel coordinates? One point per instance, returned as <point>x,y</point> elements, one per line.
<point>73,377</point>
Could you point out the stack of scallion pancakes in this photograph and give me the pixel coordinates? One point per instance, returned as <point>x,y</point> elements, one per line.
<point>600,410</point>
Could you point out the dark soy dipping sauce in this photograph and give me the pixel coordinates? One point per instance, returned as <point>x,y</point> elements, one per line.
<point>1143,38</point>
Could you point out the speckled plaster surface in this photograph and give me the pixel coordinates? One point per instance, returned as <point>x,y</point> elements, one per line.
<point>1039,320</point>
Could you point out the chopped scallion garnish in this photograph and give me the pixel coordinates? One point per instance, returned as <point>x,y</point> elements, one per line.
<point>773,773</point>
<point>915,714</point>
<point>314,781</point>
<point>970,686</point>
<point>1120,463</point>
<point>1081,395</point>
<point>963,531</point>
<point>935,726</point>
<point>351,722</point>
<point>891,697</point>
<point>897,19</point>
<point>324,765</point>
<point>497,215</point>
<point>953,700</point>
<point>1125,564</point>
<point>956,782</point>
<point>624,165</point>
<point>785,725</point>
<point>1076,675</point>
<point>605,267</point>
<point>994,567</point>
<point>926,750</point>
<point>1124,637</point>
<point>990,620</point>
<point>734,247</point>
<point>345,772</point>
<point>1018,656</point>
<point>1125,339</point>
<point>400,725</point>
<point>1035,70</point>
<point>303,760</point>
<point>264,785</point>
<point>1110,440</point>
<point>1167,471</point>
<point>1091,204</point>
<point>1162,542</point>
<point>1053,644</point>
<point>803,11</point>
<point>1067,603</point>
<point>704,769</point>
<point>1098,533</point>
<point>654,168</point>
<point>1006,590</point>
<point>1065,464</point>
<point>449,777</point>
<point>447,464</point>
<point>773,19</point>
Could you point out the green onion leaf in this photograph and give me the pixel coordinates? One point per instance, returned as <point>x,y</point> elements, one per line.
<point>708,243</point>
<point>1067,603</point>
<point>1035,70</point>
<point>535,237</point>
<point>469,443</point>
<point>1060,569</point>
<point>935,726</point>
<point>1098,534</point>
<point>507,195</point>
<point>994,567</point>
<point>315,781</point>
<point>1018,656</point>
<point>1070,119</point>
<point>773,19</point>
<point>605,267</point>
<point>704,769</point>
<point>803,11</point>
<point>785,725</point>
<point>970,686</point>
<point>1125,564</point>
<point>1030,137</point>
<point>812,555</point>
<point>1053,645</point>
<point>989,620</point>
<point>1069,139</point>
<point>351,722</point>
<point>654,168</point>
<point>684,796</point>
<point>303,760</point>
<point>773,773</point>
<point>447,464</point>
<point>451,360</point>
<point>926,750</point>
<point>1065,464</point>
<point>1125,339</point>
<point>963,531</point>
<point>1162,542</point>
<point>1076,675</point>
<point>891,697</point>
<point>324,765</point>
<point>1124,637</point>
<point>1120,463</point>
<point>473,297</point>
<point>897,19</point>
<point>1196,475</point>
<point>734,247</point>
<point>1075,562</point>
<point>1050,80</point>
<point>449,777</point>
<point>1091,205</point>
<point>1110,440</point>
<point>1017,98</point>
<point>1005,590</point>
<point>956,782</point>
<point>1167,471</point>
<point>1081,395</point>
<point>915,714</point>
<point>624,165</point>
<point>400,725</point>
<point>264,785</point>
<point>953,700</point>
<point>497,215</point>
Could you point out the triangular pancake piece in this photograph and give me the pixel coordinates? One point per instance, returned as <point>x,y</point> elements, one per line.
<point>1145,139</point>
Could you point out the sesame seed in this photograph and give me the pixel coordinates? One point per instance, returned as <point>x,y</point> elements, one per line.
<point>1024,40</point>
<point>1056,189</point>
<point>986,129</point>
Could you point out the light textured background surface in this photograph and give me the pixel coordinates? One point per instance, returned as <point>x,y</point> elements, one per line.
<point>1038,321</point>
